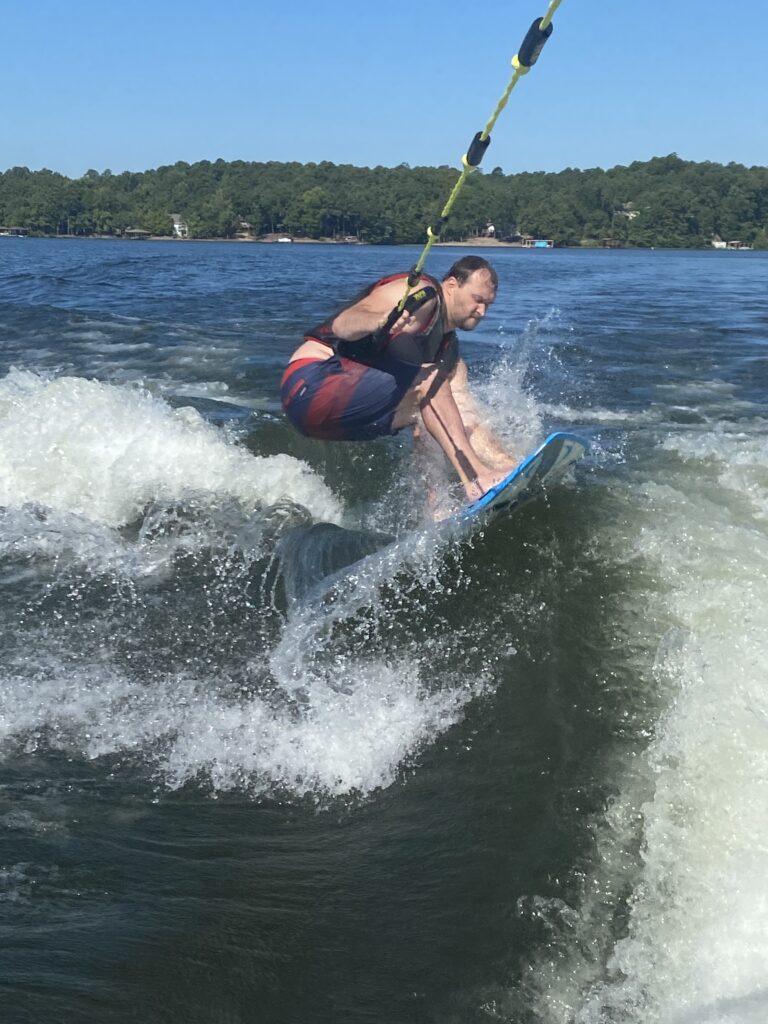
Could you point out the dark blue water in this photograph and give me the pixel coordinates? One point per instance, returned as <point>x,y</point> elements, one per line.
<point>521,779</point>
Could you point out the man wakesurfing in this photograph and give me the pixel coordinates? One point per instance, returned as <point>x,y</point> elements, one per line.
<point>368,371</point>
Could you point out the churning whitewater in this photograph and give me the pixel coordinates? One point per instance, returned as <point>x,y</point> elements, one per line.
<point>108,487</point>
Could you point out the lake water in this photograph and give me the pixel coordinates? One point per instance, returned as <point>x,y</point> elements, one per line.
<point>520,779</point>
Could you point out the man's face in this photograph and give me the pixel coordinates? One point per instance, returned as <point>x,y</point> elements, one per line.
<point>470,301</point>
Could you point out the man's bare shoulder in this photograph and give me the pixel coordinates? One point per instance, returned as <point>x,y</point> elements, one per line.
<point>387,296</point>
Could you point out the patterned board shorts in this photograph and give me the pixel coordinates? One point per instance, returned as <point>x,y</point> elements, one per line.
<point>340,399</point>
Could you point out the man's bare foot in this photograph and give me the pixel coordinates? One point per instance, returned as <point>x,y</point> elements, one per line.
<point>484,482</point>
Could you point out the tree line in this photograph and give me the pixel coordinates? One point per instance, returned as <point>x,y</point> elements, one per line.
<point>664,202</point>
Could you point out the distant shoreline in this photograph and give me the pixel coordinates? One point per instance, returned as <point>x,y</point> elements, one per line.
<point>468,242</point>
<point>664,202</point>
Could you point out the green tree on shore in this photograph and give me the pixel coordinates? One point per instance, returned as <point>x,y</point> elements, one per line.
<point>665,201</point>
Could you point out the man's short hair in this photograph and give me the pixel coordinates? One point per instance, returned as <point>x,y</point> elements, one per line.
<point>467,265</point>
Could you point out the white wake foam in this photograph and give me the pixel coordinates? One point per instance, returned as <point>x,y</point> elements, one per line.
<point>105,452</point>
<point>696,947</point>
<point>352,737</point>
<point>97,456</point>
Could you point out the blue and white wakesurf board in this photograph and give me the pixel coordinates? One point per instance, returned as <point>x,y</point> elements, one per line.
<point>317,560</point>
<point>532,477</point>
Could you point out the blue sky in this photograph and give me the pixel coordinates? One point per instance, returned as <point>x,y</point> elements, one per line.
<point>135,85</point>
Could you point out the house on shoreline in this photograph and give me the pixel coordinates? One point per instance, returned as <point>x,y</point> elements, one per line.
<point>736,243</point>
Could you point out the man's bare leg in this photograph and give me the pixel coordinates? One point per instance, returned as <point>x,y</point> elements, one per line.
<point>492,450</point>
<point>434,473</point>
<point>433,396</point>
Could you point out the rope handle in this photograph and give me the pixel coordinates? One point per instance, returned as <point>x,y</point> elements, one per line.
<point>412,303</point>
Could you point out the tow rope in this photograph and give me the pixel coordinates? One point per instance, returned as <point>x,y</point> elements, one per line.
<point>522,62</point>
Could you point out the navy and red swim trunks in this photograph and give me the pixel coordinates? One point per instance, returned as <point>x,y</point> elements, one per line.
<point>340,399</point>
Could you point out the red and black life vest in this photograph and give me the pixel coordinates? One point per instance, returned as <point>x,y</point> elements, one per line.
<point>433,345</point>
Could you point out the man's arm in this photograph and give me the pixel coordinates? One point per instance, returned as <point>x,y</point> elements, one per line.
<point>365,316</point>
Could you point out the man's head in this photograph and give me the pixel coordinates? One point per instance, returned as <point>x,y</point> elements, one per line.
<point>469,288</point>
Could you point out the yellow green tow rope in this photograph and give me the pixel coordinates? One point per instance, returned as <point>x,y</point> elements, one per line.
<point>522,62</point>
